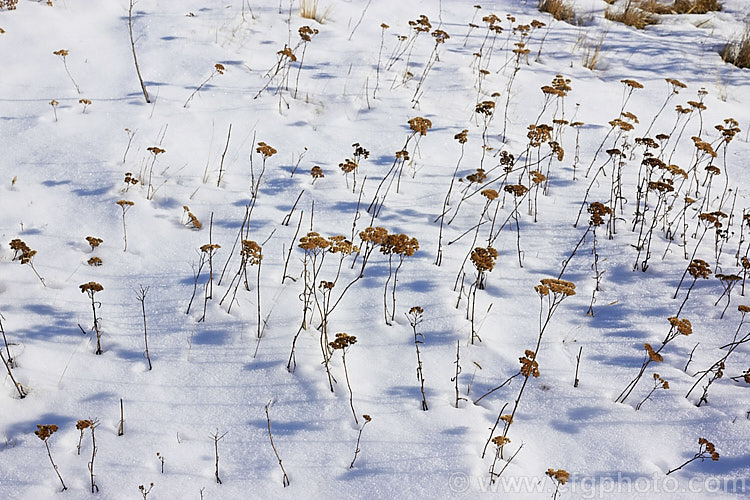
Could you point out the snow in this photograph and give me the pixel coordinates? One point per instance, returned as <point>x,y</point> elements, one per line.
<point>62,171</point>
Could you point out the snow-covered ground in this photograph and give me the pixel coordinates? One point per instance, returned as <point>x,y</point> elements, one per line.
<point>364,75</point>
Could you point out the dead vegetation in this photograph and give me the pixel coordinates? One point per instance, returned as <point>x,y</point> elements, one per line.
<point>562,10</point>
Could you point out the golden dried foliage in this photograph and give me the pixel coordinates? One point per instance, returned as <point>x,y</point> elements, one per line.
<point>710,448</point>
<point>313,242</point>
<point>251,252</point>
<point>562,10</point>
<point>343,341</point>
<point>399,244</point>
<point>265,150</point>
<point>559,475</point>
<point>653,355</point>
<point>699,268</point>
<point>43,432</point>
<point>316,172</point>
<point>421,125</point>
<point>598,211</point>
<point>374,235</point>
<point>558,287</point>
<point>484,258</point>
<point>500,441</point>
<point>91,287</point>
<point>94,242</point>
<point>529,365</point>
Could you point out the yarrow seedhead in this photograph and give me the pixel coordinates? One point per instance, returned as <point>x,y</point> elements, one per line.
<point>559,475</point>
<point>490,194</point>
<point>374,235</point>
<point>399,244</point>
<point>598,211</point>
<point>683,325</point>
<point>91,287</point>
<point>421,125</point>
<point>265,150</point>
<point>653,355</point>
<point>44,432</point>
<point>710,448</point>
<point>313,242</point>
<point>252,252</point>
<point>500,441</point>
<point>209,248</point>
<point>84,424</point>
<point>339,244</point>
<point>529,365</point>
<point>516,189</point>
<point>558,287</point>
<point>479,176</point>
<point>306,33</point>
<point>316,172</point>
<point>699,268</point>
<point>484,258</point>
<point>343,341</point>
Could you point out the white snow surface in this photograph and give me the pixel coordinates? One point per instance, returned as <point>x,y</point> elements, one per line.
<point>61,174</point>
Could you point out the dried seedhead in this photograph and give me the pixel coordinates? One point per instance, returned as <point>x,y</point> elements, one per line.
<point>265,150</point>
<point>374,235</point>
<point>529,365</point>
<point>129,179</point>
<point>91,287</point>
<point>343,341</point>
<point>84,424</point>
<point>399,244</point>
<point>500,441</point>
<point>490,194</point>
<point>421,125</point>
<point>682,325</point>
<point>341,245</point>
<point>699,268</point>
<point>313,242</point>
<point>44,432</point>
<point>558,287</point>
<point>251,252</point>
<point>421,25</point>
<point>316,172</point>
<point>209,248</point>
<point>653,355</point>
<point>484,258</point>
<point>559,475</point>
<point>485,108</point>
<point>479,176</point>
<point>516,189</point>
<point>461,137</point>
<point>598,211</point>
<point>306,33</point>
<point>94,242</point>
<point>94,261</point>
<point>710,448</point>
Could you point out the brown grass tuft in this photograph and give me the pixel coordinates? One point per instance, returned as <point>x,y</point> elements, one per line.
<point>632,15</point>
<point>737,50</point>
<point>561,10</point>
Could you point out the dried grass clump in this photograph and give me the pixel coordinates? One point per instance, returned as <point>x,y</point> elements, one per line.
<point>561,10</point>
<point>681,6</point>
<point>309,10</point>
<point>632,15</point>
<point>737,50</point>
